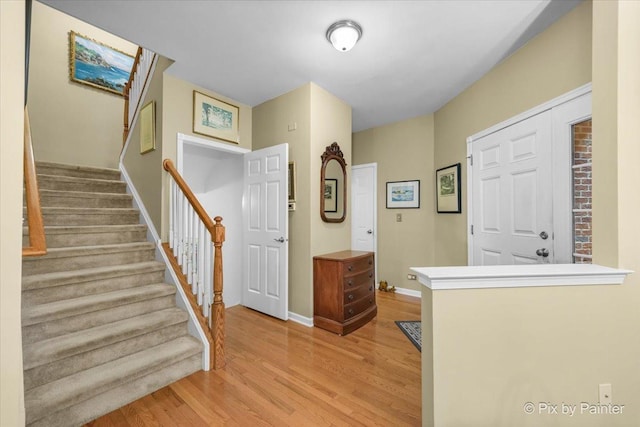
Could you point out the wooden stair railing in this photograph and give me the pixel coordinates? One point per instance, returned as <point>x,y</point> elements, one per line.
<point>140,72</point>
<point>37,242</point>
<point>192,234</point>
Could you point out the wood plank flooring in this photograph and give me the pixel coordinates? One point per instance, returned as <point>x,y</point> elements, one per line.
<point>285,374</point>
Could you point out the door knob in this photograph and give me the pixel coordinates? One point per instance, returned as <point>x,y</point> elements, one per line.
<point>544,235</point>
<point>544,252</point>
<point>281,240</point>
<point>369,231</point>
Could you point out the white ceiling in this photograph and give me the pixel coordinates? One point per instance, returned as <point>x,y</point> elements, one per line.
<point>414,56</point>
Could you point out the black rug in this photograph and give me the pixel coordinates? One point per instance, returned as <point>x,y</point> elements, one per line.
<point>413,330</point>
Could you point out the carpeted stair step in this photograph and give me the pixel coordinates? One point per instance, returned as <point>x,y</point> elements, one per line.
<point>84,199</point>
<point>67,325</point>
<point>92,216</point>
<point>67,183</point>
<point>59,236</point>
<point>86,304</point>
<point>48,403</point>
<point>61,169</point>
<point>48,287</point>
<point>58,348</point>
<point>83,257</point>
<point>39,375</point>
<point>120,396</point>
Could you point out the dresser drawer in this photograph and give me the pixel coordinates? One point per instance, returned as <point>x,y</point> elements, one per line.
<point>352,295</point>
<point>352,282</point>
<point>355,308</point>
<point>358,265</point>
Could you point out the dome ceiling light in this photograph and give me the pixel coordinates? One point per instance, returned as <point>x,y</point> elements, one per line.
<point>344,34</point>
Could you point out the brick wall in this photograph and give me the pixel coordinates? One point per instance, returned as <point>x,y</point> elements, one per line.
<point>582,192</point>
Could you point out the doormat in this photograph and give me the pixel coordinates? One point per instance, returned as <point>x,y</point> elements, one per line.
<point>413,330</point>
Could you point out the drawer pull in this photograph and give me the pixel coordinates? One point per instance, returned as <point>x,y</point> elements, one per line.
<point>370,288</point>
<point>370,275</point>
<point>350,297</point>
<point>370,301</point>
<point>350,282</point>
<point>370,261</point>
<point>350,267</point>
<point>351,311</point>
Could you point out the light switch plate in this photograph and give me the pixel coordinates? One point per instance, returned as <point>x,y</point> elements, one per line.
<point>399,217</point>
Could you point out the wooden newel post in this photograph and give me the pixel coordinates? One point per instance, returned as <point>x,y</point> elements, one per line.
<point>217,353</point>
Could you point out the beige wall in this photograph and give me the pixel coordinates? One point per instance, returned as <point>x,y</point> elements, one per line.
<point>330,122</point>
<point>403,151</point>
<point>71,122</point>
<point>320,119</point>
<point>11,138</point>
<point>553,63</point>
<point>270,127</point>
<point>496,349</point>
<point>145,170</point>
<point>177,117</point>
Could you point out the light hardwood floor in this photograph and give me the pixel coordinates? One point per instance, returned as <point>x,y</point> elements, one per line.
<point>285,374</point>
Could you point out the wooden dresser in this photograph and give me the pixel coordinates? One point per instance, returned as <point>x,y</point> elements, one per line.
<point>343,291</point>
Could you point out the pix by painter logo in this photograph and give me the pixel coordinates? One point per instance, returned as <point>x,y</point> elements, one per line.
<point>568,409</point>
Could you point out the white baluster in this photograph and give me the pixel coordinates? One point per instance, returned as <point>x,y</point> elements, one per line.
<point>194,249</point>
<point>185,239</point>
<point>171,203</point>
<point>191,251</point>
<point>174,209</point>
<point>180,226</point>
<point>201,243</point>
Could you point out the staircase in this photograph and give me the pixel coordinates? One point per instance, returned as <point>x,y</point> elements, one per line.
<point>100,326</point>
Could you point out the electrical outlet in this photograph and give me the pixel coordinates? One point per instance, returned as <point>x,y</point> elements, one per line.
<point>605,394</point>
<point>411,277</point>
<point>398,217</point>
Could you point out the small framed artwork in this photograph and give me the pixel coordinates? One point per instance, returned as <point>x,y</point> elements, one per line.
<point>330,195</point>
<point>148,128</point>
<point>292,181</point>
<point>448,189</point>
<point>403,194</point>
<point>215,118</point>
<point>95,64</point>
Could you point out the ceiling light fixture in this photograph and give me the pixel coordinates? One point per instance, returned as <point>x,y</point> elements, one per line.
<point>344,34</point>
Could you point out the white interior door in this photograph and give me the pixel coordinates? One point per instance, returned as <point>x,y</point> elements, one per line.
<point>363,207</point>
<point>266,231</point>
<point>513,194</point>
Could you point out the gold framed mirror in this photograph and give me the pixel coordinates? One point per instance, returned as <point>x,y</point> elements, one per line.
<point>333,185</point>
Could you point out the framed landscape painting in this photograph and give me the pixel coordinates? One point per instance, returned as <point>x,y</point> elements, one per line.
<point>215,118</point>
<point>448,189</point>
<point>403,194</point>
<point>95,64</point>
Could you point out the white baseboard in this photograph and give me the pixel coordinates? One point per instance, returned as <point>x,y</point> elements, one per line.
<point>306,321</point>
<point>410,292</point>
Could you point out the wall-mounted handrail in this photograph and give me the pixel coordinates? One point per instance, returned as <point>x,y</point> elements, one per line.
<point>140,72</point>
<point>37,242</point>
<point>192,236</point>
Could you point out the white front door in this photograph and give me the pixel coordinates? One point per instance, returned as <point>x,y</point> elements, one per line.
<point>363,207</point>
<point>266,231</point>
<point>513,194</point>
